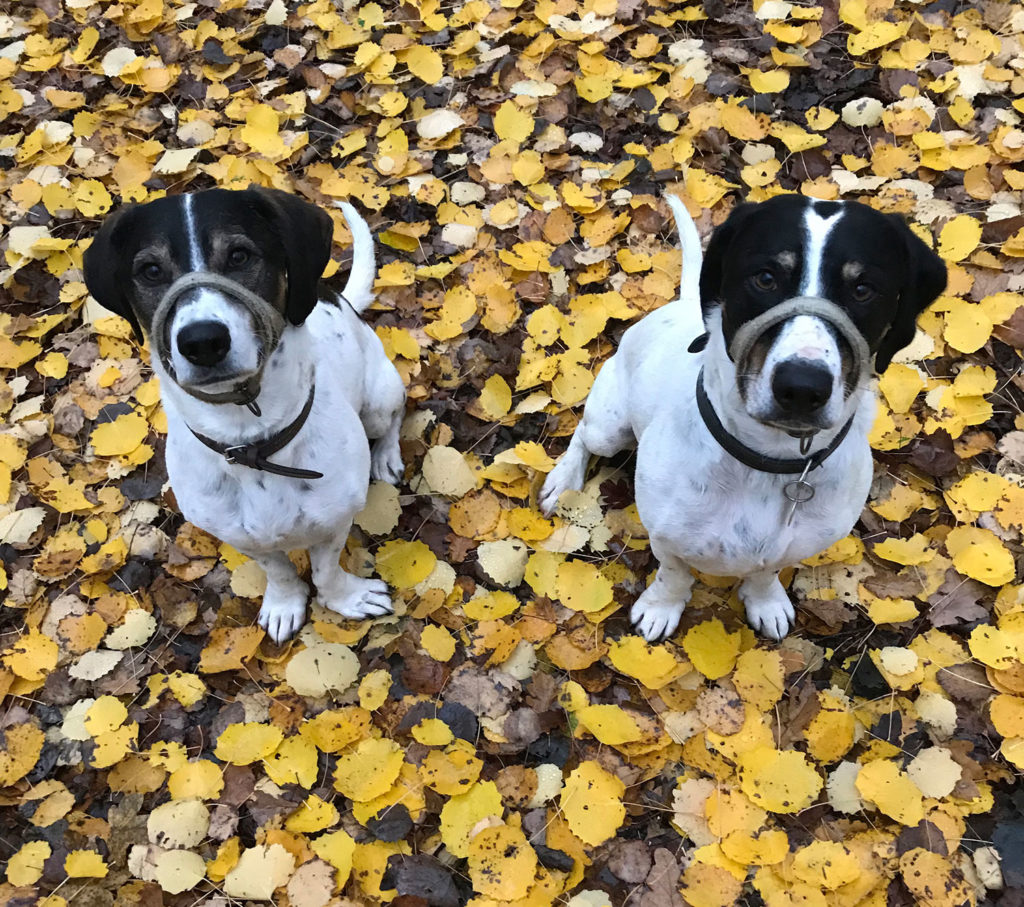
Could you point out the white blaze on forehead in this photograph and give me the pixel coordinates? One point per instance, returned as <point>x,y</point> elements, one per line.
<point>816,232</point>
<point>195,250</point>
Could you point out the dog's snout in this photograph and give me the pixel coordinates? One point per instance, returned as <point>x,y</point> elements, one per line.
<point>801,386</point>
<point>204,343</point>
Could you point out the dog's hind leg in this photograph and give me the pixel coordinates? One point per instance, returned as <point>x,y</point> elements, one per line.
<point>341,592</point>
<point>604,430</point>
<point>769,610</point>
<point>656,613</point>
<point>382,420</point>
<point>284,602</point>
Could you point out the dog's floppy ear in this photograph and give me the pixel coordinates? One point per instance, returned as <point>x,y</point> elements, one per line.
<point>924,280</point>
<point>712,270</point>
<point>104,266</point>
<point>305,232</point>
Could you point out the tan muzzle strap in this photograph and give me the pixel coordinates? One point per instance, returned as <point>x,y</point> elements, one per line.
<point>269,326</point>
<point>751,331</point>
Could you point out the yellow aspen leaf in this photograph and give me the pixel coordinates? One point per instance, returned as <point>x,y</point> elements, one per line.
<point>119,437</point>
<point>582,587</point>
<point>770,82</point>
<point>52,365</point>
<point>437,642</point>
<point>495,399</point>
<point>610,724</point>
<point>830,733</point>
<point>25,867</point>
<point>247,742</point>
<point>461,814</point>
<point>203,779</point>
<point>452,771</point>
<point>85,864</point>
<point>709,885</point>
<point>959,237</point>
<point>502,863</point>
<point>968,326</point>
<point>979,554</point>
<point>33,656</point>
<point>293,762</point>
<point>893,793</point>
<point>1007,713</point>
<point>24,743</point>
<point>826,864</point>
<point>106,714</point>
<point>259,871</point>
<point>909,552</point>
<point>403,564</point>
<point>313,815</point>
<point>432,732</point>
<point>334,729</point>
<point>900,386</point>
<point>591,802</point>
<point>336,848</point>
<point>374,689</point>
<point>322,668</point>
<point>369,770</point>
<point>759,678</point>
<point>228,648</point>
<point>512,123</point>
<point>260,132</point>
<point>653,666</point>
<point>781,781</point>
<point>491,606</point>
<point>711,649</point>
<point>935,772</point>
<point>176,871</point>
<point>425,63</point>
<point>993,647</point>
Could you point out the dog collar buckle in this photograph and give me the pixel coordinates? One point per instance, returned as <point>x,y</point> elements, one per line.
<point>241,455</point>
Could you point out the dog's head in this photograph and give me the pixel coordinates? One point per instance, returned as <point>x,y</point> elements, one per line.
<point>273,244</point>
<point>798,374</point>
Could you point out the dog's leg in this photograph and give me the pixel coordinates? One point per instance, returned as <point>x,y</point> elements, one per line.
<point>341,592</point>
<point>769,610</point>
<point>656,613</point>
<point>382,420</point>
<point>283,611</point>
<point>604,430</point>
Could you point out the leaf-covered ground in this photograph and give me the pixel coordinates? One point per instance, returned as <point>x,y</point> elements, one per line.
<point>504,738</point>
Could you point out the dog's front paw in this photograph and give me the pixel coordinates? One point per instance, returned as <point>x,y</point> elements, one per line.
<point>282,618</point>
<point>386,461</point>
<point>568,475</point>
<point>357,598</point>
<point>772,617</point>
<point>654,616</point>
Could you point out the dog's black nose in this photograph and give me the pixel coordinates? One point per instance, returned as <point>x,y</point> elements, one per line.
<point>204,342</point>
<point>801,386</point>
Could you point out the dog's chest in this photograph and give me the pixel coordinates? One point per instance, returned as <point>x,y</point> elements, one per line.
<point>726,519</point>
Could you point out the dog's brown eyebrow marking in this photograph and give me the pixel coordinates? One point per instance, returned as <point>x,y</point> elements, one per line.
<point>787,260</point>
<point>852,270</point>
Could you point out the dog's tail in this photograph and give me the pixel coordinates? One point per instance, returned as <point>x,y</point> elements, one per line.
<point>689,239</point>
<point>359,289</point>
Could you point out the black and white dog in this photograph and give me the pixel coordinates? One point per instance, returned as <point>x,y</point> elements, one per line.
<point>273,392</point>
<point>752,440</point>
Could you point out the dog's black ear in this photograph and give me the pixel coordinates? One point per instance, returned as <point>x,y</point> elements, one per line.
<point>925,279</point>
<point>712,270</point>
<point>305,232</point>
<point>105,266</point>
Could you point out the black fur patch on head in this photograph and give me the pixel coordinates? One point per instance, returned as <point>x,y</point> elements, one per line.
<point>871,265</point>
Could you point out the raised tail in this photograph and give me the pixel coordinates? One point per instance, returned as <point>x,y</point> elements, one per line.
<point>689,239</point>
<point>359,289</point>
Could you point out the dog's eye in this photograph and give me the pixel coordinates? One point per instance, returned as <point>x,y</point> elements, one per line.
<point>764,280</point>
<point>152,272</point>
<point>238,257</point>
<point>863,292</point>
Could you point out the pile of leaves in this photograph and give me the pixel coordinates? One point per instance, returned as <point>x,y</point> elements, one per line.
<point>505,738</point>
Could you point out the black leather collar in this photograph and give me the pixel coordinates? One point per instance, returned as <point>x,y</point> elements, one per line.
<point>749,457</point>
<point>254,455</point>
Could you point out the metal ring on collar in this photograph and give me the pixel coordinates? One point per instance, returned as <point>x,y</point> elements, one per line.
<point>269,325</point>
<point>748,333</point>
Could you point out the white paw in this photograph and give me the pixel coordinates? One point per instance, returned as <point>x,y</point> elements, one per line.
<point>654,616</point>
<point>568,475</point>
<point>772,617</point>
<point>283,618</point>
<point>386,461</point>
<point>358,598</point>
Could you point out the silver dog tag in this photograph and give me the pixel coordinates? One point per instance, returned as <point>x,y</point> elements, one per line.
<point>799,492</point>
